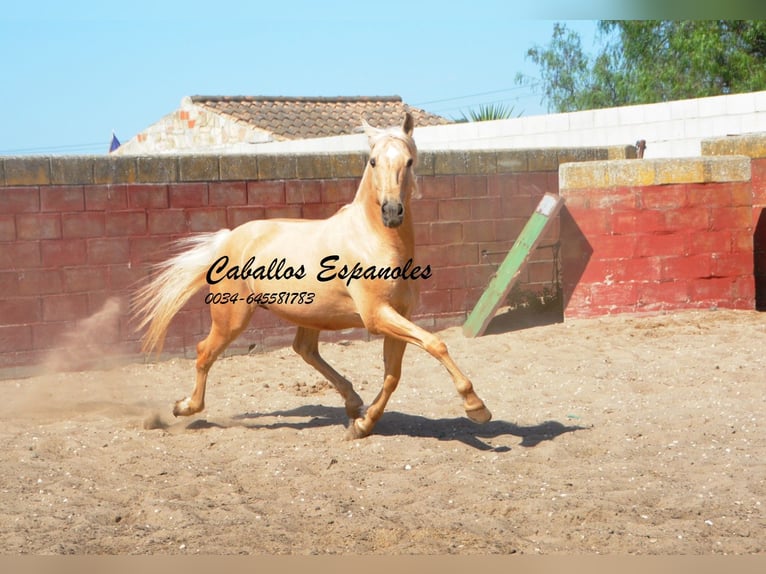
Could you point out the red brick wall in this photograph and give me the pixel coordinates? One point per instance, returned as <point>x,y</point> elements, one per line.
<point>659,246</point>
<point>78,232</point>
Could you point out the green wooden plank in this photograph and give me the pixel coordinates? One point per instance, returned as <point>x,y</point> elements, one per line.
<point>508,272</point>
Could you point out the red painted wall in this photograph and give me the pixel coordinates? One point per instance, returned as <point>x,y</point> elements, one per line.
<point>657,248</point>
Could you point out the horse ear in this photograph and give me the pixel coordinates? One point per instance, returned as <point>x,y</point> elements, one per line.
<point>409,124</point>
<point>372,132</point>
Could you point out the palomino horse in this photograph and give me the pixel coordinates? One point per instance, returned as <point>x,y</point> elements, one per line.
<point>353,269</point>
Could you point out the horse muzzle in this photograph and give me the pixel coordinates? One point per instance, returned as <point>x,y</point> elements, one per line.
<point>392,213</point>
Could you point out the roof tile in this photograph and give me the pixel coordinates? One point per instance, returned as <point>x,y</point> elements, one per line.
<point>290,118</point>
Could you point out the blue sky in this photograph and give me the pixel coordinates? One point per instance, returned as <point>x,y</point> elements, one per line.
<point>74,71</point>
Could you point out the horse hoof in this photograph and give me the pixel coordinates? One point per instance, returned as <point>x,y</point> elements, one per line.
<point>355,430</point>
<point>183,409</point>
<point>480,415</point>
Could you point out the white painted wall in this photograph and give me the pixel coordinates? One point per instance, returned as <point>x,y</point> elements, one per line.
<point>671,129</point>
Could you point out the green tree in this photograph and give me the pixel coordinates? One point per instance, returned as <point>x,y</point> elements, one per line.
<point>651,61</point>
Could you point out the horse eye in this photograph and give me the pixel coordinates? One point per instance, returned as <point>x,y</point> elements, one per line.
<point>372,161</point>
<point>409,162</point>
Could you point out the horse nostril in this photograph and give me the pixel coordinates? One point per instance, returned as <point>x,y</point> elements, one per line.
<point>400,211</point>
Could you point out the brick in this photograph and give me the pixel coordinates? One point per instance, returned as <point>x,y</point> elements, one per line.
<point>132,222</point>
<point>479,230</point>
<point>29,170</point>
<point>663,197</point>
<point>108,250</point>
<point>691,267</point>
<point>731,218</point>
<point>277,167</point>
<point>20,255</point>
<point>40,282</point>
<point>656,295</point>
<point>535,184</point>
<point>688,218</point>
<point>149,249</point>
<point>147,196</point>
<point>9,283</point>
<point>38,226</point>
<point>7,227</point>
<point>155,169</point>
<point>236,216</point>
<point>350,164</point>
<point>445,232</point>
<point>543,160</point>
<point>708,195</point>
<point>163,221</point>
<point>227,193</point>
<point>711,242</point>
<point>338,191</point>
<point>106,197</point>
<point>463,300</point>
<point>454,209</point>
<point>313,166</point>
<point>661,245</point>
<point>238,167</point>
<point>517,205</point>
<point>20,310</point>
<point>470,186</point>
<point>51,335</point>
<point>711,290</point>
<point>438,187</point>
<point>61,198</point>
<point>511,161</point>
<point>57,253</point>
<point>283,211</point>
<point>425,210</point>
<point>115,169</point>
<point>597,222</point>
<point>615,297</point>
<point>208,219</point>
<point>631,222</point>
<point>303,191</point>
<point>124,276</point>
<point>422,236</point>
<point>449,255</point>
<point>541,272</point>
<point>15,338</point>
<point>266,193</point>
<point>732,264</point>
<point>198,168</point>
<point>84,279</point>
<point>65,307</point>
<point>741,194</point>
<point>187,195</point>
<point>19,200</point>
<point>84,224</point>
<point>486,207</point>
<point>435,301</point>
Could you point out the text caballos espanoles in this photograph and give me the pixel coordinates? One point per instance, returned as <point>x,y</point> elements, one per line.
<point>279,269</point>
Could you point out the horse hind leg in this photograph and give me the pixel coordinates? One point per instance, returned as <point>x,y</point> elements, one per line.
<point>306,344</point>
<point>229,321</point>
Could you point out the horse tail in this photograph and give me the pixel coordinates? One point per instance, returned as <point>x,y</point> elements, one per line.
<point>178,278</point>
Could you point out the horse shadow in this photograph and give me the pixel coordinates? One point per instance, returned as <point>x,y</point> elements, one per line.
<point>395,423</point>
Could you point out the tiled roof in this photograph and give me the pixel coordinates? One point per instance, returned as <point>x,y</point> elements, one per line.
<point>307,117</point>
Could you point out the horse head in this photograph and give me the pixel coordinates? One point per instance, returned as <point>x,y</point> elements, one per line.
<point>392,157</point>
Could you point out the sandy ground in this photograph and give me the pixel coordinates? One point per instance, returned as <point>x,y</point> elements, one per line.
<point>615,435</point>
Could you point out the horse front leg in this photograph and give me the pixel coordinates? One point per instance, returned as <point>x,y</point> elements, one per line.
<point>389,322</point>
<point>229,321</point>
<point>393,352</point>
